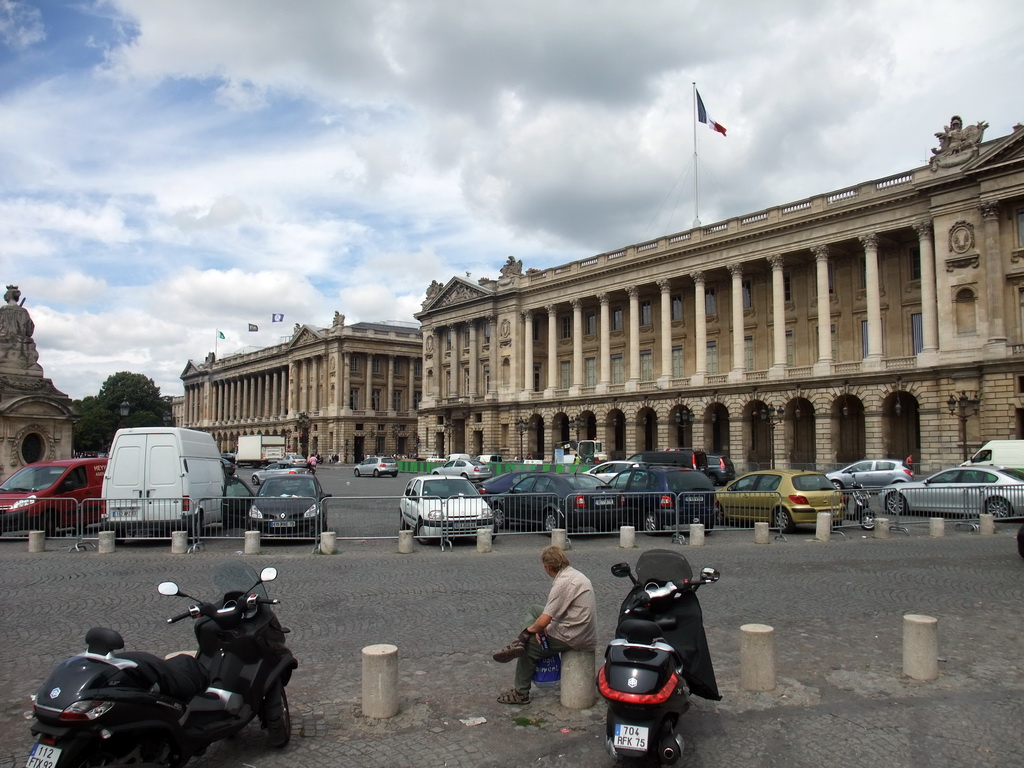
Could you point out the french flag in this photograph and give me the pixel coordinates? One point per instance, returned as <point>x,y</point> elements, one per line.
<point>704,117</point>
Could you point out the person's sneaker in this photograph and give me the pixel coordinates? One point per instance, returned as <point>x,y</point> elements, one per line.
<point>513,650</point>
<point>514,697</point>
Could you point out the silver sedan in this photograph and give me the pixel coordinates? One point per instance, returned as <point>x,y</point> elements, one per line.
<point>276,468</point>
<point>960,491</point>
<point>467,468</point>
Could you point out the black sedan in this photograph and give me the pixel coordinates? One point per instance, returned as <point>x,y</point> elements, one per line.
<point>657,499</point>
<point>288,505</point>
<point>502,483</point>
<point>543,501</point>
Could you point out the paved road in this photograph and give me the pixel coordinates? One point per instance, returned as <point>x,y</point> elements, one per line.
<point>836,608</point>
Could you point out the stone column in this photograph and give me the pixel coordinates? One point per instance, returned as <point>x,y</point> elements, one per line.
<point>474,359</point>
<point>577,345</point>
<point>873,361</point>
<point>552,311</point>
<point>995,281</point>
<point>700,329</point>
<point>738,363</point>
<point>527,351</point>
<point>605,362</point>
<point>633,342</point>
<point>492,387</point>
<point>929,292</point>
<point>824,365</point>
<point>778,318</point>
<point>389,392</point>
<point>666,332</point>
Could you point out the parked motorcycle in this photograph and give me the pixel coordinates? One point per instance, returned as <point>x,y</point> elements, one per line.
<point>109,707</point>
<point>658,658</point>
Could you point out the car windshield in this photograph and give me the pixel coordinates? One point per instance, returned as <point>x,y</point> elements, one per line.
<point>32,479</point>
<point>446,488</point>
<point>812,483</point>
<point>1014,474</point>
<point>289,486</point>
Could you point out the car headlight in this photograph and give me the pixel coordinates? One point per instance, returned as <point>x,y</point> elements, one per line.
<point>254,512</point>
<point>311,512</point>
<point>434,514</point>
<point>22,503</point>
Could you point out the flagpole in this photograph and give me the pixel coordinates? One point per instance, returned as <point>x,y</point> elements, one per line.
<point>696,165</point>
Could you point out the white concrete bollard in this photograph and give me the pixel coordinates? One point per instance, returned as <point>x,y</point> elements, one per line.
<point>627,536</point>
<point>484,541</point>
<point>936,527</point>
<point>696,534</point>
<point>179,542</point>
<point>823,526</point>
<point>986,524</point>
<point>881,527</point>
<point>761,533</point>
<point>328,542</point>
<point>920,646</point>
<point>559,539</point>
<point>107,541</point>
<point>252,543</point>
<point>757,657</point>
<point>380,681</point>
<point>405,542</point>
<point>577,682</point>
<point>36,541</point>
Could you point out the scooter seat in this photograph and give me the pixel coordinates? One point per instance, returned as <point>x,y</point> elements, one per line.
<point>180,677</point>
<point>639,631</point>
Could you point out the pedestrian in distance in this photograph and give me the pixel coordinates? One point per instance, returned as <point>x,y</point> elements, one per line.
<point>568,621</point>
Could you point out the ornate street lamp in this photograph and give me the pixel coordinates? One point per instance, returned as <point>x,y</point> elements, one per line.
<point>521,425</point>
<point>303,422</point>
<point>772,417</point>
<point>577,425</point>
<point>124,409</point>
<point>963,406</point>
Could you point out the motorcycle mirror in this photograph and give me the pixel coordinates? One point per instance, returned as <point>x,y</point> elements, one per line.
<point>709,575</point>
<point>268,574</point>
<point>168,588</point>
<point>620,570</point>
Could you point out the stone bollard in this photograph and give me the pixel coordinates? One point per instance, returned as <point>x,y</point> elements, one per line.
<point>179,542</point>
<point>986,524</point>
<point>696,534</point>
<point>881,527</point>
<point>328,542</point>
<point>627,536</point>
<point>106,543</point>
<point>577,683</point>
<point>936,527</point>
<point>36,542</point>
<point>484,540</point>
<point>920,647</point>
<point>757,657</point>
<point>252,543</point>
<point>559,539</point>
<point>761,533</point>
<point>380,681</point>
<point>823,526</point>
<point>405,542</point>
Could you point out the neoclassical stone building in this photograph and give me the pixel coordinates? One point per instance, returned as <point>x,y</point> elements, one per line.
<point>881,320</point>
<point>349,390</point>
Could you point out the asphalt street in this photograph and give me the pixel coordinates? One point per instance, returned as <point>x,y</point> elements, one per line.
<point>836,608</point>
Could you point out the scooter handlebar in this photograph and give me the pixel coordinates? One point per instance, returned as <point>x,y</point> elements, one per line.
<point>179,617</point>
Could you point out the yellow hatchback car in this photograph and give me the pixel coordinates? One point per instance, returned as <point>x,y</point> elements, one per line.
<point>784,498</point>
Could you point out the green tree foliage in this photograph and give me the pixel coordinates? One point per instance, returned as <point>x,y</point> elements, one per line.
<point>101,415</point>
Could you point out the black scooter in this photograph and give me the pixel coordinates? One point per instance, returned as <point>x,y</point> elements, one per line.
<point>658,658</point>
<point>107,707</point>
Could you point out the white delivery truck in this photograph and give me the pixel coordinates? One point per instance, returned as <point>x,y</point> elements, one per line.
<point>999,453</point>
<point>160,479</point>
<point>259,450</point>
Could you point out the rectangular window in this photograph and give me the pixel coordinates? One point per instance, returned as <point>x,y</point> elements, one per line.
<point>748,294</point>
<point>617,318</point>
<point>487,333</point>
<point>448,339</point>
<point>465,380</point>
<point>646,365</point>
<point>790,349</point>
<point>915,263</point>
<point>590,323</point>
<point>677,307</point>
<point>712,358</point>
<point>353,398</point>
<point>353,364</point>
<point>645,313</point>
<point>487,377</point>
<point>375,399</point>
<point>417,367</point>
<point>398,366</point>
<point>536,377</point>
<point>748,353</point>
<point>396,399</point>
<point>417,396</point>
<point>677,362</point>
<point>565,374</point>
<point>916,332</point>
<point>590,371</point>
<point>787,287</point>
<point>375,364</point>
<point>618,374</point>
<point>709,301</point>
<point>863,338</point>
<point>566,327</point>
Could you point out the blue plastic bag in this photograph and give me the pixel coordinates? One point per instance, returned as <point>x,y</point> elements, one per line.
<point>548,671</point>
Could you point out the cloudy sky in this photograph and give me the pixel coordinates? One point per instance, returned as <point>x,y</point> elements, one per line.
<point>171,169</point>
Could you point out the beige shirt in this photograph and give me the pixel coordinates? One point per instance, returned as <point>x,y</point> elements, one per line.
<point>573,610</point>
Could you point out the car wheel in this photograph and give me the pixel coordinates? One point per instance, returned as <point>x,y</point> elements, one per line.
<point>435,472</point>
<point>895,504</point>
<point>838,484</point>
<point>356,471</point>
<point>782,520</point>
<point>417,532</point>
<point>255,479</point>
<point>998,507</point>
<point>651,523</point>
<point>550,520</point>
<point>376,473</point>
<point>498,518</point>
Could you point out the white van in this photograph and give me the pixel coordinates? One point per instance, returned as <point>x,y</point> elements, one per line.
<point>999,453</point>
<point>162,477</point>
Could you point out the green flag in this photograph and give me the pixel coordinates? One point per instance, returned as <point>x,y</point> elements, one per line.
<point>220,335</point>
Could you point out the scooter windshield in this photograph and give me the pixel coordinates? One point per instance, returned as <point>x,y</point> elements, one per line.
<point>237,576</point>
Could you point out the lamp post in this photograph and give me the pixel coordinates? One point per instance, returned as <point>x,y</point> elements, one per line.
<point>124,409</point>
<point>303,421</point>
<point>963,406</point>
<point>448,428</point>
<point>395,430</point>
<point>684,419</point>
<point>521,425</point>
<point>772,417</point>
<point>577,425</point>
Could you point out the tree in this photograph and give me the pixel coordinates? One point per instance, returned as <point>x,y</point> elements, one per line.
<point>101,415</point>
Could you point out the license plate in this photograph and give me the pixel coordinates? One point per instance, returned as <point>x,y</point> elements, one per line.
<point>693,499</point>
<point>630,737</point>
<point>603,502</point>
<point>282,524</point>
<point>43,756</point>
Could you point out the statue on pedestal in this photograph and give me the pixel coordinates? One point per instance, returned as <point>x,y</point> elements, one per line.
<point>17,348</point>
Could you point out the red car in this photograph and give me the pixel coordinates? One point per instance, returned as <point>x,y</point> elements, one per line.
<point>53,495</point>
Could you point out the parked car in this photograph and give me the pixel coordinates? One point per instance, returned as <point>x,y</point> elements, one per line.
<point>693,458</point>
<point>543,501</point>
<point>434,506</point>
<point>276,468</point>
<point>658,499</point>
<point>608,469</point>
<point>501,483</point>
<point>720,469</point>
<point>294,459</point>
<point>487,458</point>
<point>238,498</point>
<point>466,468</point>
<point>53,495</point>
<point>871,473</point>
<point>288,504</point>
<point>783,497</point>
<point>960,491</point>
<point>377,466</point>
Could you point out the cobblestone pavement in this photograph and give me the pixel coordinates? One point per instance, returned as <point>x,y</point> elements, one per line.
<point>836,608</point>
